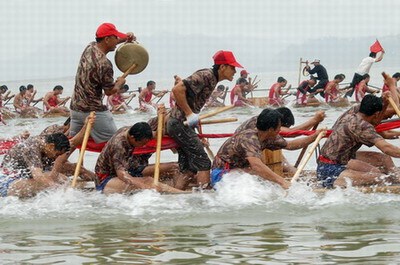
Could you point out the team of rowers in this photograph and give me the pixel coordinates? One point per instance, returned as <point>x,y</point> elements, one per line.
<point>24,102</point>
<point>41,162</point>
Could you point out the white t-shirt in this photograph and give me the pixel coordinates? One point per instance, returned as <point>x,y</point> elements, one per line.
<point>365,65</point>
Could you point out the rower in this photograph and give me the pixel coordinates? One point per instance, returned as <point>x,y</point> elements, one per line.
<point>340,159</point>
<point>53,104</point>
<point>118,172</point>
<point>276,92</point>
<point>146,95</point>
<point>243,151</point>
<point>191,94</point>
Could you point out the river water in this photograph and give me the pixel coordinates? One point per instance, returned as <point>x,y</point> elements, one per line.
<point>246,221</point>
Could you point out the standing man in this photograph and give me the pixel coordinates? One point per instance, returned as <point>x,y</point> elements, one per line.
<point>322,75</point>
<point>95,75</point>
<point>191,94</point>
<point>363,69</point>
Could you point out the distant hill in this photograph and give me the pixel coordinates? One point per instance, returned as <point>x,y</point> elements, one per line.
<point>183,54</point>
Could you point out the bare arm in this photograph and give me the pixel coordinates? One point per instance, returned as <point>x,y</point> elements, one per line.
<point>17,102</point>
<point>390,134</point>
<point>388,148</point>
<point>266,173</point>
<point>141,96</point>
<point>301,142</point>
<point>179,92</point>
<point>118,84</point>
<point>389,81</point>
<point>380,56</point>
<point>307,125</point>
<point>30,99</point>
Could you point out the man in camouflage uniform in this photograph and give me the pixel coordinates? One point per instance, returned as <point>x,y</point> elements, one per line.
<point>191,94</point>
<point>95,74</point>
<point>119,171</point>
<point>243,151</point>
<point>30,166</point>
<point>339,157</point>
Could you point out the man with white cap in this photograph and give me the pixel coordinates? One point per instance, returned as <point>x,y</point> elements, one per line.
<point>95,75</point>
<point>322,76</point>
<point>191,94</point>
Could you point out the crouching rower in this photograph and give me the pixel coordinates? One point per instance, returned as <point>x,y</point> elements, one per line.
<point>340,159</point>
<point>243,151</point>
<point>26,167</point>
<point>40,163</point>
<point>120,172</point>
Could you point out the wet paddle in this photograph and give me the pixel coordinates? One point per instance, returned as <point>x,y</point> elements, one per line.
<point>394,106</point>
<point>309,153</point>
<point>213,113</point>
<point>82,153</point>
<point>160,125</point>
<point>225,93</point>
<point>218,121</point>
<point>207,147</point>
<point>8,100</point>
<point>161,97</point>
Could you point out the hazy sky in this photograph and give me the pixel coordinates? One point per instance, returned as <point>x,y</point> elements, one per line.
<point>44,38</point>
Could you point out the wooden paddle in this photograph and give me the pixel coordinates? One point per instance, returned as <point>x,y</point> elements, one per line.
<point>127,103</point>
<point>303,151</point>
<point>207,147</point>
<point>160,125</point>
<point>309,153</point>
<point>225,93</point>
<point>394,106</point>
<point>82,153</point>
<point>213,113</point>
<point>217,111</point>
<point>218,121</point>
<point>161,97</point>
<point>63,102</point>
<point>1,119</point>
<point>8,100</point>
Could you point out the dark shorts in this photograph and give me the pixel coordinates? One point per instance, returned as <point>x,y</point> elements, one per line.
<point>192,156</point>
<point>137,171</point>
<point>102,184</point>
<point>328,173</point>
<point>216,175</point>
<point>321,84</point>
<point>5,182</point>
<point>356,79</point>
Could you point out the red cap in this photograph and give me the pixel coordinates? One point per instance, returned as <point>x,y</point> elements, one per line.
<point>108,29</point>
<point>225,57</point>
<point>244,72</point>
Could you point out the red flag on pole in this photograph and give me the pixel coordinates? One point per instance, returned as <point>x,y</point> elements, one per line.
<point>376,47</point>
